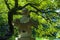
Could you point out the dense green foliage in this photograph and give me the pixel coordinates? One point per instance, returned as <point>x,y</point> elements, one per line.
<point>49,23</point>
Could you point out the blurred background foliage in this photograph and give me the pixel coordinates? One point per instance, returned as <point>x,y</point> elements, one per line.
<point>49,23</point>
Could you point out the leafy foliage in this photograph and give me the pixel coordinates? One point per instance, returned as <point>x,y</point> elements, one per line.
<point>49,22</point>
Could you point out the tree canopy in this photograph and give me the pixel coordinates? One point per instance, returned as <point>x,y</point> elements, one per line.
<point>46,12</point>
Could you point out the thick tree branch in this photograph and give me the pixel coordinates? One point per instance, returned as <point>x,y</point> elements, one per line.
<point>7,4</point>
<point>16,3</point>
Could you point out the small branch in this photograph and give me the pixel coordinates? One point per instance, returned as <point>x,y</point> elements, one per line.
<point>32,5</point>
<point>7,4</point>
<point>20,8</point>
<point>38,10</point>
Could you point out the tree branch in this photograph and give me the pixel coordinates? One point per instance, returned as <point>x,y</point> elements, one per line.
<point>26,5</point>
<point>7,4</point>
<point>32,5</point>
<point>16,3</point>
<point>38,10</point>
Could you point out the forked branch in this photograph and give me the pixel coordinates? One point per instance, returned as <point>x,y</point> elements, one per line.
<point>6,2</point>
